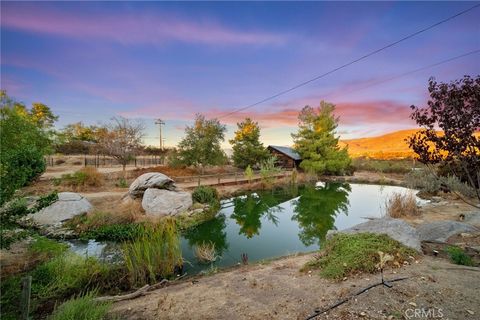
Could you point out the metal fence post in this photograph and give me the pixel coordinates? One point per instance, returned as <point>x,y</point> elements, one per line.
<point>26,290</point>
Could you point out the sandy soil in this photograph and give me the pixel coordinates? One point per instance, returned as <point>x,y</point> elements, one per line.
<point>278,290</point>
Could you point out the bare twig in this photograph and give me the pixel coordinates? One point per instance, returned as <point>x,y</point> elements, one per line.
<point>340,302</point>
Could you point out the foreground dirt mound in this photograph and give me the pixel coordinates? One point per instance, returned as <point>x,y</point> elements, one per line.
<point>278,290</point>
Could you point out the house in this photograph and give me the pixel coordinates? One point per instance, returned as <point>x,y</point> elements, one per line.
<point>286,156</point>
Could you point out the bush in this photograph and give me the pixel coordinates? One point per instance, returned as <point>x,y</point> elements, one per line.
<point>384,166</point>
<point>44,249</point>
<point>402,205</point>
<point>81,307</point>
<point>85,177</point>
<point>268,170</point>
<point>44,201</point>
<point>114,232</point>
<point>458,256</point>
<point>205,194</point>
<point>424,180</point>
<point>347,254</point>
<point>155,254</point>
<point>65,275</point>
<point>249,174</point>
<point>12,211</point>
<point>24,146</point>
<point>122,183</point>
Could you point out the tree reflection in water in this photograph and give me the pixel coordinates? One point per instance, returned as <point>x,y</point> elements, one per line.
<point>211,231</point>
<point>249,209</point>
<point>316,209</point>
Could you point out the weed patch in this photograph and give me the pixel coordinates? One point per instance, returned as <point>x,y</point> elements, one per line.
<point>81,307</point>
<point>205,194</point>
<point>347,254</point>
<point>458,256</point>
<point>155,254</point>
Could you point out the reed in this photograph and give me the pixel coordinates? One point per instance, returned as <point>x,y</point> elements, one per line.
<point>205,252</point>
<point>155,254</point>
<point>402,205</point>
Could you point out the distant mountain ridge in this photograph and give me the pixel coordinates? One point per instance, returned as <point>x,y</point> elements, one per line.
<point>388,146</point>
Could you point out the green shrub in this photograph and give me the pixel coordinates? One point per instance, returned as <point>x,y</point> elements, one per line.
<point>82,307</point>
<point>458,256</point>
<point>85,177</point>
<point>424,180</point>
<point>114,232</point>
<point>205,194</point>
<point>65,275</point>
<point>346,254</point>
<point>9,237</point>
<point>268,170</point>
<point>122,183</point>
<point>155,254</point>
<point>384,166</point>
<point>43,248</point>
<point>12,211</point>
<point>24,145</point>
<point>45,201</point>
<point>249,174</point>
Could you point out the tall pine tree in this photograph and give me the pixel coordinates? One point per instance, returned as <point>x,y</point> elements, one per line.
<point>316,142</point>
<point>247,148</point>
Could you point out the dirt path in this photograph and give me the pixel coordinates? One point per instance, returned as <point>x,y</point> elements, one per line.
<point>279,291</point>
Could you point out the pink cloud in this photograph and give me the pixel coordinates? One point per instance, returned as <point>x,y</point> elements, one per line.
<point>350,113</point>
<point>144,28</point>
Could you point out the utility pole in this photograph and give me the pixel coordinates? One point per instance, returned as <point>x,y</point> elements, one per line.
<point>160,122</point>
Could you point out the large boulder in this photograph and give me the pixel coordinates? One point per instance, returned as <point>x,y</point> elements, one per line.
<point>160,202</point>
<point>472,217</point>
<point>150,180</point>
<point>395,228</point>
<point>50,219</point>
<point>442,230</point>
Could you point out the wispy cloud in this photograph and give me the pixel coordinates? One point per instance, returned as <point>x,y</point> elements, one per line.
<point>351,113</point>
<point>128,28</point>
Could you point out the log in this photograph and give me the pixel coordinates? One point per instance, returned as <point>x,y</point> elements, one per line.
<point>138,293</point>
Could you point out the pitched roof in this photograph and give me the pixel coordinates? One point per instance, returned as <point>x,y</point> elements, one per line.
<point>289,152</point>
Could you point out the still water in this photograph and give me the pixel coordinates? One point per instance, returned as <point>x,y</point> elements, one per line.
<point>272,223</point>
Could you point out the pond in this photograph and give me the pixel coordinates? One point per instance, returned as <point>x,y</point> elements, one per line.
<point>273,223</point>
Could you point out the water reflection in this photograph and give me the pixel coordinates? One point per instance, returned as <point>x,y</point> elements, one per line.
<point>211,231</point>
<point>317,208</point>
<point>248,211</point>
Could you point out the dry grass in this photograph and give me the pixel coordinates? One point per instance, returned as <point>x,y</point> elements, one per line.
<point>400,205</point>
<point>205,252</point>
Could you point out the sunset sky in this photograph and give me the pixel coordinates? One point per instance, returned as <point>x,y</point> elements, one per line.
<point>91,61</point>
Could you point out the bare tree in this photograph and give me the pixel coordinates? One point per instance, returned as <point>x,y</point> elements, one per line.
<point>121,139</point>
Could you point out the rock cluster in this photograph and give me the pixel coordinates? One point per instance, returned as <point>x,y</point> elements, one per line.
<point>159,195</point>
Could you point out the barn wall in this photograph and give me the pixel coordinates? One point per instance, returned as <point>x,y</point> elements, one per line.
<point>282,160</point>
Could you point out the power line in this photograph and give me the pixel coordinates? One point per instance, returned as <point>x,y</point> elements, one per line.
<point>350,63</point>
<point>411,72</point>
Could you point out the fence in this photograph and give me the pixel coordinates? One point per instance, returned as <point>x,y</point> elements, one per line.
<point>103,161</point>
<point>226,178</point>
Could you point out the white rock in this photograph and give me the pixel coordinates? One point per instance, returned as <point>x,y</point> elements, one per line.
<point>444,229</point>
<point>159,202</point>
<point>150,180</point>
<point>68,205</point>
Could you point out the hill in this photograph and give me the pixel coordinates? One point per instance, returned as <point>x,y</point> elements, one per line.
<point>388,146</point>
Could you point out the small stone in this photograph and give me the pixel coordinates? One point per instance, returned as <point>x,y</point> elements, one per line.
<point>470,312</point>
<point>363,314</point>
<point>413,304</point>
<point>345,279</point>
